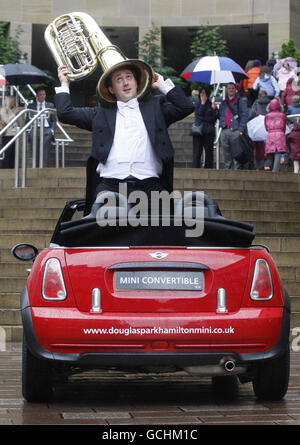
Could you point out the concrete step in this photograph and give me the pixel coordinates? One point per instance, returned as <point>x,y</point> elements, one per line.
<point>12,269</point>
<point>236,184</point>
<point>12,284</point>
<point>289,273</point>
<point>9,300</point>
<point>241,175</point>
<point>258,215</point>
<point>27,225</point>
<point>10,317</point>
<point>28,213</point>
<point>275,228</point>
<point>292,287</point>
<point>13,333</point>
<point>279,244</point>
<point>46,182</point>
<point>35,203</point>
<point>286,258</point>
<point>248,195</point>
<point>44,192</point>
<point>7,241</point>
<point>295,303</point>
<point>258,204</point>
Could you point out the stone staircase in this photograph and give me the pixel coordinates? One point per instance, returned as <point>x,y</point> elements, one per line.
<point>271,201</point>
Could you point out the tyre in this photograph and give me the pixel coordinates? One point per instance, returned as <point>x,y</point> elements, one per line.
<point>36,377</point>
<point>272,378</point>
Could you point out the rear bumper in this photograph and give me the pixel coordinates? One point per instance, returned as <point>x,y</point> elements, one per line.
<point>143,358</point>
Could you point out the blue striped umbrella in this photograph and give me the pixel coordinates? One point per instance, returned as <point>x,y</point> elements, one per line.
<point>213,70</point>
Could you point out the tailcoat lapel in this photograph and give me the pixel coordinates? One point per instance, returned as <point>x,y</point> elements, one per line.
<point>110,114</point>
<point>148,114</point>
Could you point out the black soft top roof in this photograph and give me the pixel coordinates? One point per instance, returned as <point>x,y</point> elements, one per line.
<point>86,232</point>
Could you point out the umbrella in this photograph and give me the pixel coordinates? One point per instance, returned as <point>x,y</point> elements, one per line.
<point>292,62</point>
<point>213,70</point>
<point>23,74</point>
<point>3,81</point>
<point>257,130</point>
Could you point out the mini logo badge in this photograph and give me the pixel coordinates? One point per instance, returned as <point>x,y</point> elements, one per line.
<point>158,255</point>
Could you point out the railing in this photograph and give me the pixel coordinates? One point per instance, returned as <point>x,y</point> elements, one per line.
<point>21,136</point>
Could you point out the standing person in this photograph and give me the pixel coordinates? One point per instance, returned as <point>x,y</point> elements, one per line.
<point>195,97</point>
<point>284,74</point>
<point>294,108</point>
<point>233,115</point>
<point>252,74</point>
<point>7,113</point>
<point>294,141</point>
<point>267,83</point>
<point>205,114</point>
<point>275,123</point>
<point>260,107</point>
<point>130,139</point>
<point>292,89</point>
<point>49,125</point>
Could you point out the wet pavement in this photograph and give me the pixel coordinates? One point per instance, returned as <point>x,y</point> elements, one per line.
<point>117,398</point>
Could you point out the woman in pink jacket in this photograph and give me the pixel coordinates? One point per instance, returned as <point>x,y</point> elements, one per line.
<point>284,74</point>
<point>275,147</point>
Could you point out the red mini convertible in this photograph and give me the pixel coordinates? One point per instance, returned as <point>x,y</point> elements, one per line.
<point>149,296</point>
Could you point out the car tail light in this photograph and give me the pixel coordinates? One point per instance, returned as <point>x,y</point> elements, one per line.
<point>262,286</point>
<point>53,287</point>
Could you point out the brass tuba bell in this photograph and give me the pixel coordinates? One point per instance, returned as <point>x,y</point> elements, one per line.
<point>77,42</point>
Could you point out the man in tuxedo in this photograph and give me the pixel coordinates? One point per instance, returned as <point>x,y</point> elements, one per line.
<point>49,125</point>
<point>130,139</point>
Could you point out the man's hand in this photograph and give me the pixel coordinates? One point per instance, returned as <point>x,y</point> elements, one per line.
<point>158,81</point>
<point>63,72</point>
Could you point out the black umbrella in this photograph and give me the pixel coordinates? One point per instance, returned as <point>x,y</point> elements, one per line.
<point>23,74</point>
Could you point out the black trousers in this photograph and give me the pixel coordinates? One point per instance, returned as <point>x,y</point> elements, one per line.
<point>9,159</point>
<point>146,185</point>
<point>205,141</point>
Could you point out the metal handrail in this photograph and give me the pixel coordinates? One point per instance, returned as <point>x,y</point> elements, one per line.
<point>21,132</point>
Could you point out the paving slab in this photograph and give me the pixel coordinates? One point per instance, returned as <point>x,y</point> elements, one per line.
<point>115,399</point>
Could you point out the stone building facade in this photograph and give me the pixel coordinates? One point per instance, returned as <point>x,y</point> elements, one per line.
<point>253,28</point>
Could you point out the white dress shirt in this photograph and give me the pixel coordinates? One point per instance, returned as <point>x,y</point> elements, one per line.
<point>41,106</point>
<point>131,153</point>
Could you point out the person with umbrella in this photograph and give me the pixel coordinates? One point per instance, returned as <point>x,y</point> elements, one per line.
<point>205,116</point>
<point>285,73</point>
<point>233,116</point>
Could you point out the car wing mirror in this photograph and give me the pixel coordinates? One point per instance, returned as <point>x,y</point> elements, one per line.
<point>24,252</point>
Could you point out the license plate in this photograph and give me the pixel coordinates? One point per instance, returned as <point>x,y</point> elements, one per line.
<point>158,280</point>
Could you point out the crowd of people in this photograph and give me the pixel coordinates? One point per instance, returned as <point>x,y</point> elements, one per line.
<point>271,91</point>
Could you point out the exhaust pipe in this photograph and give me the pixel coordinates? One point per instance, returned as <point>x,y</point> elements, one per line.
<point>229,365</point>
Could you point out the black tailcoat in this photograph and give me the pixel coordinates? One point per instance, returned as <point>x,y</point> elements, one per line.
<point>158,113</point>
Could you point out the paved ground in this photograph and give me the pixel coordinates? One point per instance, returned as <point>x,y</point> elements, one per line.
<point>122,399</point>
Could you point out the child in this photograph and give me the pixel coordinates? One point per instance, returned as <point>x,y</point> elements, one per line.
<point>260,107</point>
<point>294,140</point>
<point>275,123</point>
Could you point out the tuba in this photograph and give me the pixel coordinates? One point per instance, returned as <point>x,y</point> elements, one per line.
<point>77,42</point>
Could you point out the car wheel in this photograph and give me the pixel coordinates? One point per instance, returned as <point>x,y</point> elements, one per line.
<point>272,378</point>
<point>226,386</point>
<point>36,377</point>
